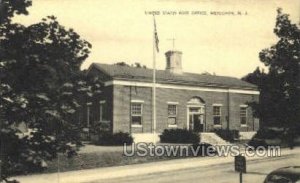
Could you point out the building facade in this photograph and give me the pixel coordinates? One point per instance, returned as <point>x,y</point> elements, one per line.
<point>198,102</point>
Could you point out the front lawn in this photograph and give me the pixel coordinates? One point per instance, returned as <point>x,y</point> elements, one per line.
<point>100,156</point>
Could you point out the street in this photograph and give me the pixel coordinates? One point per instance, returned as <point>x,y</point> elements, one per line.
<point>221,173</point>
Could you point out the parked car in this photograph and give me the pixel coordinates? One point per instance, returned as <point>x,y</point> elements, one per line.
<point>284,175</point>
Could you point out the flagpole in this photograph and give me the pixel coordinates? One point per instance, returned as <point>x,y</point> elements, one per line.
<point>154,84</point>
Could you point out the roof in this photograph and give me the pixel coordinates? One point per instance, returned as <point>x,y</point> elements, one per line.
<point>166,77</point>
<point>292,172</point>
<point>288,170</point>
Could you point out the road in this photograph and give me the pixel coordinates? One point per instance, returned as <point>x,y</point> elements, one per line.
<point>222,173</point>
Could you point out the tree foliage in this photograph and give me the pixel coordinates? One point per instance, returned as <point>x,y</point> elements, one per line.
<point>280,86</point>
<point>136,64</point>
<point>40,85</point>
<point>9,8</point>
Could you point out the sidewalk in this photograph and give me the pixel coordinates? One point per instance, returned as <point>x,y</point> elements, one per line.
<point>136,169</point>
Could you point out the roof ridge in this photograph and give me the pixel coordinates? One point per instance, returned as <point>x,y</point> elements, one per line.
<point>134,73</point>
<point>97,63</point>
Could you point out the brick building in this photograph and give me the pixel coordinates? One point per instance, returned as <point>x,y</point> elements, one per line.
<point>198,102</point>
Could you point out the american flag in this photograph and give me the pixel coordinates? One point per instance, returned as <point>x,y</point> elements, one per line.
<point>155,35</point>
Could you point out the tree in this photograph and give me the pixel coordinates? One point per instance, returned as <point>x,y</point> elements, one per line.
<point>136,64</point>
<point>40,83</point>
<point>124,64</point>
<point>9,8</point>
<point>280,87</point>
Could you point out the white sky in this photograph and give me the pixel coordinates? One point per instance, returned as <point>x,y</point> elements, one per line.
<point>119,30</point>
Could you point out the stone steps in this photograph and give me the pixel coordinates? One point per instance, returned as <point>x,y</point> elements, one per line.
<point>212,138</point>
<point>247,135</point>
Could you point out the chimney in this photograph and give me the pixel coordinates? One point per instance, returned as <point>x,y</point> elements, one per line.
<point>174,62</point>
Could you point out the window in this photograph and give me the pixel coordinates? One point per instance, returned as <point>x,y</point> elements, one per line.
<point>88,114</point>
<point>104,113</point>
<point>195,109</point>
<point>243,115</point>
<point>136,113</point>
<point>217,115</point>
<point>172,114</point>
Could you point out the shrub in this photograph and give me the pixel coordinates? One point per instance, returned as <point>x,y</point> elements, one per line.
<point>275,136</point>
<point>107,138</point>
<point>267,133</point>
<point>228,135</point>
<point>263,136</point>
<point>179,136</point>
<point>100,127</point>
<point>255,143</point>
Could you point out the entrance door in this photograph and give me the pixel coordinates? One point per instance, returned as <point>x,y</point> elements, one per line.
<point>198,122</point>
<point>196,119</point>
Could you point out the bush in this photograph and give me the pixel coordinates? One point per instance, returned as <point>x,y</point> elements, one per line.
<point>275,136</point>
<point>107,138</point>
<point>263,137</point>
<point>228,135</point>
<point>179,136</point>
<point>267,133</point>
<point>255,143</point>
<point>100,127</point>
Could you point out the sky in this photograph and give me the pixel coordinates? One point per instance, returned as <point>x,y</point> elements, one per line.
<point>217,42</point>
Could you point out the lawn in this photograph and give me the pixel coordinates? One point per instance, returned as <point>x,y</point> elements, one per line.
<point>99,156</point>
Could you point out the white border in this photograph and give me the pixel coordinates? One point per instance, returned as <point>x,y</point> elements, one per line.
<point>220,105</point>
<point>136,126</point>
<point>179,87</point>
<point>137,101</point>
<point>175,103</point>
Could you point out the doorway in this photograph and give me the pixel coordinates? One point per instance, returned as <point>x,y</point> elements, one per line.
<point>196,118</point>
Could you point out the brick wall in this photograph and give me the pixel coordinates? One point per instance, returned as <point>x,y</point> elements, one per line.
<point>122,95</point>
<point>234,116</point>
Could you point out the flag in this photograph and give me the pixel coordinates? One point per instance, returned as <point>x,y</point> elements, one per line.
<point>156,36</point>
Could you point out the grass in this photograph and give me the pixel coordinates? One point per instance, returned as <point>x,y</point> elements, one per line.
<point>101,157</point>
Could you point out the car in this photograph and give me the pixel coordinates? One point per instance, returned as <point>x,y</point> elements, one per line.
<point>289,174</point>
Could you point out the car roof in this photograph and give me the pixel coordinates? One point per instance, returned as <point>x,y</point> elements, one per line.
<point>292,172</point>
